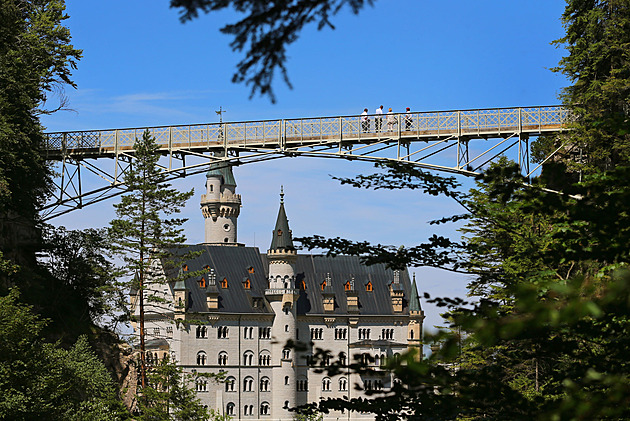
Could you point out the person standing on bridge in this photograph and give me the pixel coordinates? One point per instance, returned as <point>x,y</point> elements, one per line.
<point>365,121</point>
<point>378,120</point>
<point>391,120</point>
<point>408,119</point>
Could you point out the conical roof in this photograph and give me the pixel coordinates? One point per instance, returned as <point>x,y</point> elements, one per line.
<point>281,238</point>
<point>226,172</point>
<point>414,300</point>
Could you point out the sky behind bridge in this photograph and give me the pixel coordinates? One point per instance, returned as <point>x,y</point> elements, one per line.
<point>142,67</point>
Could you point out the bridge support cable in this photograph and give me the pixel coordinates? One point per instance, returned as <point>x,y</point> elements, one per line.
<point>437,141</point>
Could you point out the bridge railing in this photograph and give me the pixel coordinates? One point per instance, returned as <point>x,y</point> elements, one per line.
<point>273,133</point>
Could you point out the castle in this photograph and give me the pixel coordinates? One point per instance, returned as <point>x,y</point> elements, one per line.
<point>239,315</point>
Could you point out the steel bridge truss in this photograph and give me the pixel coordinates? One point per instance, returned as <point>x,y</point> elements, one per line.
<point>92,164</point>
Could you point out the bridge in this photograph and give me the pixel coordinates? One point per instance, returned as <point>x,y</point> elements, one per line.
<point>460,141</point>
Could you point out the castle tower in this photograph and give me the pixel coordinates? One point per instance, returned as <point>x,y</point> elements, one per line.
<point>220,206</point>
<point>282,296</point>
<point>416,316</point>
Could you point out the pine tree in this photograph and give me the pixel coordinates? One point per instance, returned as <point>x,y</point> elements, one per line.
<point>145,233</point>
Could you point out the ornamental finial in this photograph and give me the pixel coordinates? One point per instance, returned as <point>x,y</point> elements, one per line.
<point>281,195</point>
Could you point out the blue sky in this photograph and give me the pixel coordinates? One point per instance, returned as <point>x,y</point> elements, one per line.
<point>142,67</point>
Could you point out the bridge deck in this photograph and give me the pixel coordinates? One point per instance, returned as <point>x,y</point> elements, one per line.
<point>304,132</point>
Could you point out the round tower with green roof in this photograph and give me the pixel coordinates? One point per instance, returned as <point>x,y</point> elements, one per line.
<point>220,206</point>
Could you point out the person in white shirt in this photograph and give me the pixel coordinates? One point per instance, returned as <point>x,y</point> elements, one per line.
<point>391,120</point>
<point>408,119</point>
<point>365,121</point>
<point>378,120</point>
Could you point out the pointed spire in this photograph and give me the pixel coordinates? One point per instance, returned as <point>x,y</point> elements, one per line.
<point>281,238</point>
<point>414,300</point>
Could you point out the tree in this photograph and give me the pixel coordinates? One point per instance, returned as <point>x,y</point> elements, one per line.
<point>598,65</point>
<point>144,233</point>
<point>39,380</point>
<point>266,32</point>
<point>83,276</point>
<point>36,59</point>
<point>546,338</point>
<point>169,396</point>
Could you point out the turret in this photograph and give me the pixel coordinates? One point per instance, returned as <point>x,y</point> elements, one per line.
<point>416,316</point>
<point>282,296</point>
<point>220,205</point>
<point>328,295</point>
<point>396,293</point>
<point>212,292</point>
<point>180,294</point>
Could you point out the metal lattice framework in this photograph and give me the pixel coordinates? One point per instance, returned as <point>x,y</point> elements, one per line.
<point>453,141</point>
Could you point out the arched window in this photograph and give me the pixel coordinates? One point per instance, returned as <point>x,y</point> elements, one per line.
<point>201,384</point>
<point>383,360</point>
<point>302,384</point>
<point>343,384</point>
<point>264,384</point>
<point>229,408</point>
<point>201,358</point>
<point>264,408</point>
<point>223,358</point>
<point>222,332</point>
<point>368,287</point>
<point>247,284</point>
<point>326,384</point>
<point>264,359</point>
<point>286,354</point>
<point>343,358</point>
<point>248,358</point>
<point>286,380</point>
<point>248,384</point>
<point>411,334</point>
<point>229,384</point>
<point>377,360</point>
<point>202,332</point>
<point>248,410</point>
<point>224,283</point>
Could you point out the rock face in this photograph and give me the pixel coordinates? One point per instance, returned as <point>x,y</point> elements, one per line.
<point>120,360</point>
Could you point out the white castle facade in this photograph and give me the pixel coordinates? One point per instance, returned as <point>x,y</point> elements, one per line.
<point>238,316</point>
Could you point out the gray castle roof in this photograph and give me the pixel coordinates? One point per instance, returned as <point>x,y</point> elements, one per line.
<point>237,264</point>
<point>414,300</point>
<point>281,238</point>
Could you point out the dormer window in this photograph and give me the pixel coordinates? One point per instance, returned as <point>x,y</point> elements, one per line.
<point>250,269</point>
<point>202,282</point>
<point>347,286</point>
<point>247,284</point>
<point>224,283</point>
<point>303,285</point>
<point>279,233</point>
<point>207,267</point>
<point>368,287</point>
<point>323,285</point>
<point>185,268</point>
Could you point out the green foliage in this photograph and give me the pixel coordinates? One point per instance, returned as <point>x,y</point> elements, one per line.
<point>83,275</point>
<point>40,380</point>
<point>36,59</point>
<point>169,395</point>
<point>598,65</point>
<point>145,235</point>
